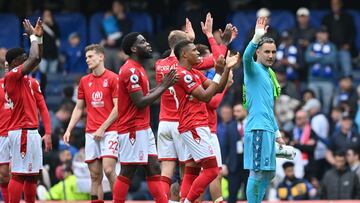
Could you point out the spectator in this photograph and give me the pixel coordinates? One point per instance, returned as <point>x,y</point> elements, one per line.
<point>271,32</point>
<point>287,88</point>
<point>61,117</point>
<point>284,111</point>
<point>353,159</point>
<point>320,125</point>
<point>292,188</point>
<point>287,57</point>
<point>357,114</point>
<point>297,161</point>
<point>346,138</point>
<point>303,33</point>
<point>307,95</point>
<point>321,58</point>
<point>115,25</point>
<point>335,122</point>
<point>64,157</point>
<point>233,153</point>
<point>66,189</point>
<point>342,32</point>
<point>2,61</point>
<point>74,56</point>
<point>305,139</point>
<point>49,62</point>
<point>226,113</point>
<point>340,182</point>
<point>346,93</point>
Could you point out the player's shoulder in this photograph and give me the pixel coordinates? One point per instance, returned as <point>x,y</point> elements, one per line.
<point>110,74</point>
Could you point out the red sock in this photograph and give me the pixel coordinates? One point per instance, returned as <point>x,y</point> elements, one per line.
<point>157,192</point>
<point>166,183</point>
<point>208,174</point>
<point>189,176</point>
<point>30,188</point>
<point>121,188</point>
<point>4,191</point>
<point>15,188</point>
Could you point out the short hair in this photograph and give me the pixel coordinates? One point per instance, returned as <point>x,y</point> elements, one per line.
<point>264,40</point>
<point>175,37</point>
<point>355,150</point>
<point>95,47</point>
<point>13,53</point>
<point>288,164</point>
<point>202,49</point>
<point>165,54</point>
<point>179,47</point>
<point>339,153</point>
<point>129,41</point>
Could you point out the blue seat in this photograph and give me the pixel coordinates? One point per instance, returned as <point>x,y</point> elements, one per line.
<point>245,20</point>
<point>316,17</point>
<point>142,22</point>
<point>69,23</point>
<point>356,17</point>
<point>95,27</point>
<point>10,31</point>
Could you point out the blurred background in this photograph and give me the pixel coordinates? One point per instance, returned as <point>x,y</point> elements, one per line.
<point>318,67</point>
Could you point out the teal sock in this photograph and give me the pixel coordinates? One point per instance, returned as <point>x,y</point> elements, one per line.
<point>253,190</point>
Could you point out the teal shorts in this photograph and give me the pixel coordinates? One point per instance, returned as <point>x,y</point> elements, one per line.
<point>259,150</point>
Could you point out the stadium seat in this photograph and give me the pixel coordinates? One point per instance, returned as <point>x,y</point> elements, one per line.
<point>95,34</point>
<point>142,22</point>
<point>245,21</point>
<point>316,17</point>
<point>356,16</point>
<point>10,30</point>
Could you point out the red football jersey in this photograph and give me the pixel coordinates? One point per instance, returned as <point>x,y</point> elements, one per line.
<point>20,97</point>
<point>5,112</point>
<point>41,104</point>
<point>98,93</point>
<point>211,109</point>
<point>132,78</point>
<point>169,103</point>
<point>192,112</point>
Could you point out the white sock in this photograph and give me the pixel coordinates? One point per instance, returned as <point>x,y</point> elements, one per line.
<point>170,201</point>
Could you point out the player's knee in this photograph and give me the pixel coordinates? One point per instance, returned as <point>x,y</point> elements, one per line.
<point>210,168</point>
<point>109,171</point>
<point>96,176</point>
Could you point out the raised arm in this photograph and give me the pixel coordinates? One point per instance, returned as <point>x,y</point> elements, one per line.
<point>141,101</point>
<point>260,30</point>
<point>35,52</point>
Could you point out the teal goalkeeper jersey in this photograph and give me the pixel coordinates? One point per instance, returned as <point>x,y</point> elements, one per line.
<point>259,93</point>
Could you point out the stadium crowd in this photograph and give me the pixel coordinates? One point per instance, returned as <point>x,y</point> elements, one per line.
<point>317,112</point>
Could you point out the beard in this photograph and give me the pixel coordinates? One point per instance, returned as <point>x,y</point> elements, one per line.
<point>145,55</point>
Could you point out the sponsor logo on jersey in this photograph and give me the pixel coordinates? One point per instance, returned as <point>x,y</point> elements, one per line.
<point>97,99</point>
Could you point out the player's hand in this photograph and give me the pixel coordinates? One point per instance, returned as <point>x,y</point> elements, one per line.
<point>224,170</point>
<point>170,79</point>
<point>47,141</point>
<point>38,30</point>
<point>281,142</point>
<point>29,29</point>
<point>98,135</point>
<point>207,27</point>
<point>220,64</point>
<point>227,34</point>
<point>189,30</point>
<point>232,61</point>
<point>66,138</point>
<point>261,29</point>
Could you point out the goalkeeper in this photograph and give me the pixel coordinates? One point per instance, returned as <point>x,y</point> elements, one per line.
<point>261,131</point>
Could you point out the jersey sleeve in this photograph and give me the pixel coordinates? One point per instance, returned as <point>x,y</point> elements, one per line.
<point>114,86</point>
<point>40,102</point>
<point>216,100</point>
<point>187,81</point>
<point>209,61</point>
<point>132,80</point>
<point>14,74</point>
<point>81,94</point>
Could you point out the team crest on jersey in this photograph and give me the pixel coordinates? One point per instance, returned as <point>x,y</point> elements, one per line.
<point>134,78</point>
<point>106,83</point>
<point>197,140</point>
<point>187,78</point>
